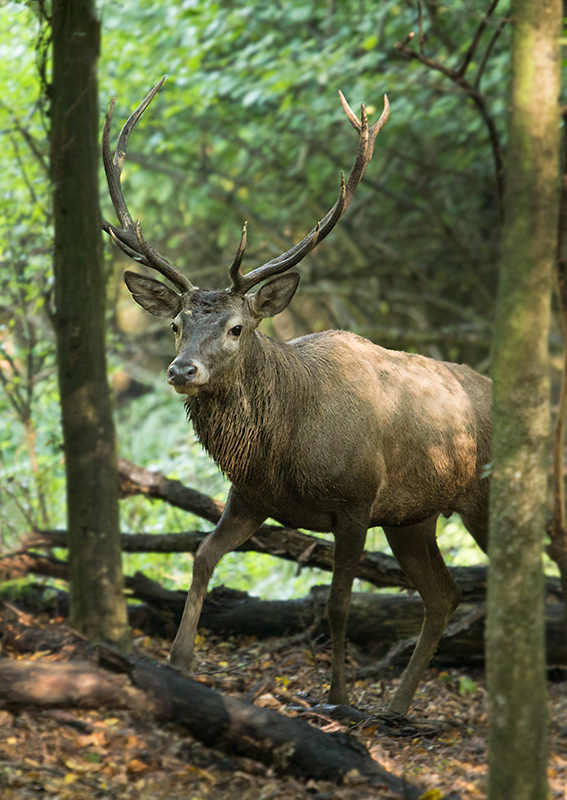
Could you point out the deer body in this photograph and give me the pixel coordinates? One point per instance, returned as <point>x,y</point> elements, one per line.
<point>327,432</point>
<point>330,419</point>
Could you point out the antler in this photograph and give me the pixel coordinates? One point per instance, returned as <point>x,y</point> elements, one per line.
<point>367,137</point>
<point>129,237</point>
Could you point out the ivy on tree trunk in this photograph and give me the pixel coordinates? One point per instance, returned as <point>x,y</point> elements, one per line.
<point>515,629</point>
<point>98,605</point>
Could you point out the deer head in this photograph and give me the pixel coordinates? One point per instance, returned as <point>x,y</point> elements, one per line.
<point>211,327</point>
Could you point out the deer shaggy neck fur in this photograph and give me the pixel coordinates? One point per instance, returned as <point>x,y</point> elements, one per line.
<point>246,423</point>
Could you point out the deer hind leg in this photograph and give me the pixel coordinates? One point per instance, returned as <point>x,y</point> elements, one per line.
<point>416,550</point>
<point>476,523</point>
<point>350,534</point>
<point>237,524</point>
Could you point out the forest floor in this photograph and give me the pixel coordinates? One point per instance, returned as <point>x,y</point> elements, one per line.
<point>116,754</point>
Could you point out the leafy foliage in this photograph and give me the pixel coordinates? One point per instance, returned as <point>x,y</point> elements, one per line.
<point>254,131</point>
<point>249,127</point>
<point>30,460</point>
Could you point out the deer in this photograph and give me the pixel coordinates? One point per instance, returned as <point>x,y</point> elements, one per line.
<point>327,432</point>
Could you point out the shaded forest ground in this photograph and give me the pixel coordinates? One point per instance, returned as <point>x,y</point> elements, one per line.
<point>113,752</point>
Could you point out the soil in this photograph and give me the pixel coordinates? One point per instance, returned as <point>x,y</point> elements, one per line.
<point>71,754</point>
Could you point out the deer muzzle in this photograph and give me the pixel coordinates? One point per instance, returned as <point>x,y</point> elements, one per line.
<point>185,377</point>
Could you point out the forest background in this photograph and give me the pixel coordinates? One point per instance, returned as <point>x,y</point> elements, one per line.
<point>249,127</point>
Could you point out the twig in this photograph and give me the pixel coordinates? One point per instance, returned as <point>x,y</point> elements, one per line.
<point>420,23</point>
<point>457,76</point>
<point>32,144</point>
<point>486,56</point>
<point>27,767</point>
<point>476,40</point>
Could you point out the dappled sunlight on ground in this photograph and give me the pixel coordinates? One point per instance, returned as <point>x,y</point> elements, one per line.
<point>113,753</point>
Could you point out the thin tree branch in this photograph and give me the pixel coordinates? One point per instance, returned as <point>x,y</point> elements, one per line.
<point>476,40</point>
<point>420,23</point>
<point>489,49</point>
<point>30,141</point>
<point>457,77</point>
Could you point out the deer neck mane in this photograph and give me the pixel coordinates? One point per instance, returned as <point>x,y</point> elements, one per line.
<point>246,423</point>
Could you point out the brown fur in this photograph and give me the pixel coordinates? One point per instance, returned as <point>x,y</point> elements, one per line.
<point>332,418</point>
<point>328,432</point>
<point>331,433</point>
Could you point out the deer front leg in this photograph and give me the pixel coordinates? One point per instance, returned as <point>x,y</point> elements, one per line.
<point>416,550</point>
<point>237,524</point>
<point>350,535</point>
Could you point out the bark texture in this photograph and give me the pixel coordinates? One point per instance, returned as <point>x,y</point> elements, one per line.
<point>515,629</point>
<point>97,598</point>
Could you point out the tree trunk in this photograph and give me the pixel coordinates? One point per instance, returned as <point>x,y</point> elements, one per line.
<point>515,628</point>
<point>97,598</point>
<point>557,548</point>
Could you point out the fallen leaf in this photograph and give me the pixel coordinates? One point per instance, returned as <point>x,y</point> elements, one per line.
<point>137,765</point>
<point>267,701</point>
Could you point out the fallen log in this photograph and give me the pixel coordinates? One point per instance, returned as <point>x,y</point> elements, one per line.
<point>307,551</point>
<point>137,480</point>
<point>18,565</point>
<point>289,745</point>
<point>391,619</point>
<point>376,568</point>
<point>62,685</point>
<point>377,621</point>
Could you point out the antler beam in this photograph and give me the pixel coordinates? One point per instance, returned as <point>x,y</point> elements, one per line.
<point>129,237</point>
<point>367,137</point>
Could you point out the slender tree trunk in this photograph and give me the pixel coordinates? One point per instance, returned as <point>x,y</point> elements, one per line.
<point>515,628</point>
<point>97,596</point>
<point>557,548</point>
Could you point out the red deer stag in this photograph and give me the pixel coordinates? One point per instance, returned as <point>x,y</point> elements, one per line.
<point>328,432</point>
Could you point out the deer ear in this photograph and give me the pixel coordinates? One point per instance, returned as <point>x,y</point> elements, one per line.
<point>154,296</point>
<point>274,296</point>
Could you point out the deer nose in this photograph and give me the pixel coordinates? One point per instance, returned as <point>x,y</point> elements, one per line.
<point>180,374</point>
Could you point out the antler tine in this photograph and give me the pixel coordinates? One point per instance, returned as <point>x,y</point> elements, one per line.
<point>234,270</point>
<point>113,164</point>
<point>129,237</point>
<point>243,283</point>
<point>124,247</point>
<point>367,137</point>
<point>366,142</point>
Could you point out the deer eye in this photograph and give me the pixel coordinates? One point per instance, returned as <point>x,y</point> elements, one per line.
<point>236,331</point>
<point>174,327</point>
